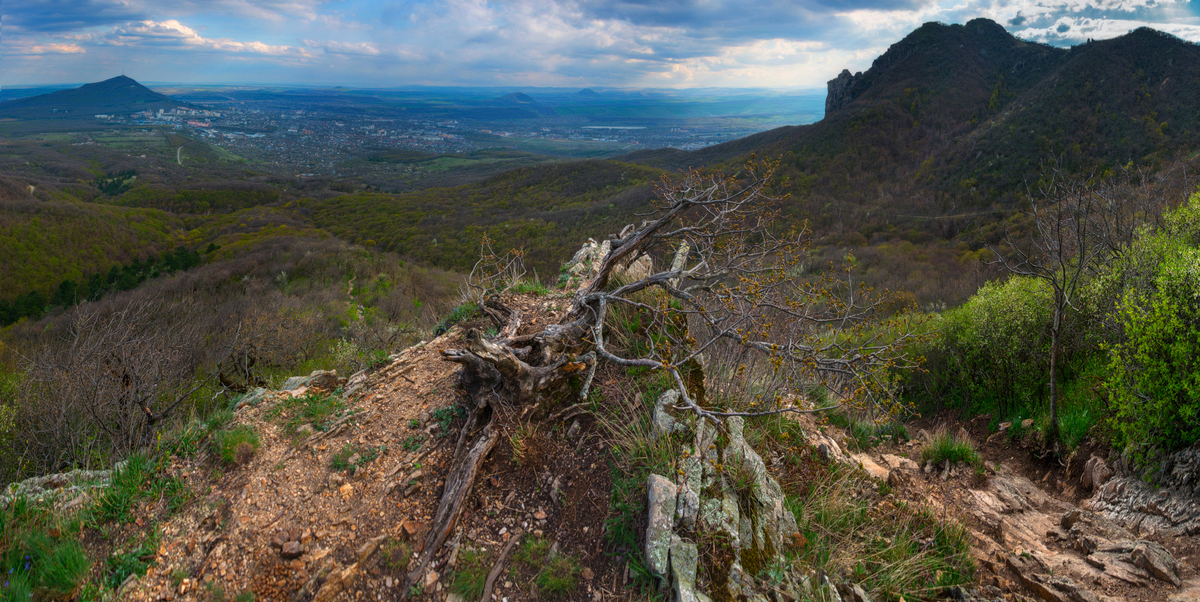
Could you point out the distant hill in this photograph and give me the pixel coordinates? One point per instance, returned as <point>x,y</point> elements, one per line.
<point>117,96</point>
<point>518,98</point>
<point>588,92</point>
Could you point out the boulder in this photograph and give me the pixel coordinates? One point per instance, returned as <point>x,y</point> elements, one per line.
<point>899,463</point>
<point>684,560</point>
<point>871,467</point>
<point>636,270</point>
<point>661,493</point>
<point>325,380</point>
<point>1157,560</point>
<point>1095,473</point>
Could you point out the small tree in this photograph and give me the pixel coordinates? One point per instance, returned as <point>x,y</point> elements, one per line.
<point>1062,249</point>
<point>731,282</point>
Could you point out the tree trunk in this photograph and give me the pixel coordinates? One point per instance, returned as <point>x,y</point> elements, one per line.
<point>1055,335</point>
<point>495,382</point>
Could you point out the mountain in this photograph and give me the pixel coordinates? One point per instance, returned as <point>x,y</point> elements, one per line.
<point>956,119</point>
<point>120,95</point>
<point>588,92</point>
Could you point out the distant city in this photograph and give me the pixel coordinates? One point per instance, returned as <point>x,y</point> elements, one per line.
<point>323,140</point>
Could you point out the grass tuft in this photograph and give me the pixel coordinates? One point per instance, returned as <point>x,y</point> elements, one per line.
<point>471,573</point>
<point>559,576</point>
<point>236,445</point>
<point>944,446</point>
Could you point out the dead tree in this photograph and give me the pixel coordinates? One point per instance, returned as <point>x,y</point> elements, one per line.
<point>732,279</point>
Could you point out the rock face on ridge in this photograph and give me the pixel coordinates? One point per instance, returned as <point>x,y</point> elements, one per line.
<point>839,91</point>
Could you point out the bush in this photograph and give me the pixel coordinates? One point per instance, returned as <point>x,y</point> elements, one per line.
<point>991,353</point>
<point>1154,373</point>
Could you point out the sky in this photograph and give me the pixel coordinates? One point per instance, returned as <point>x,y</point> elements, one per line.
<point>519,43</point>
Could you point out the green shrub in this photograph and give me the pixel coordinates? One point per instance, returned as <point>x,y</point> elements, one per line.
<point>1154,374</point>
<point>991,353</point>
<point>236,445</point>
<point>462,313</point>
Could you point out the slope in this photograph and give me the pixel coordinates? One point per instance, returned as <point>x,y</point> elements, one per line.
<point>546,209</point>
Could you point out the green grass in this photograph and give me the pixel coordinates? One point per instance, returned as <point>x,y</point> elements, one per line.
<point>945,446</point>
<point>556,575</point>
<point>317,409</point>
<point>910,552</point>
<point>135,561</point>
<point>345,458</point>
<point>32,560</point>
<point>462,313</point>
<point>236,445</point>
<point>532,550</point>
<point>394,556</point>
<point>471,573</point>
<point>534,287</point>
<point>559,575</point>
<point>125,486</point>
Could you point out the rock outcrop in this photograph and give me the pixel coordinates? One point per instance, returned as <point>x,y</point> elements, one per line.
<point>840,91</point>
<point>721,493</point>
<point>1170,507</point>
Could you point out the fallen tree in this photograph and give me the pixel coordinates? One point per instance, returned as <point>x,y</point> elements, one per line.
<point>735,288</point>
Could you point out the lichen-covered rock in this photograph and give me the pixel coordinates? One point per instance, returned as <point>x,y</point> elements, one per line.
<point>687,508</point>
<point>664,423</point>
<point>585,265</point>
<point>636,270</point>
<point>684,560</point>
<point>254,397</point>
<point>769,521</point>
<point>661,499</point>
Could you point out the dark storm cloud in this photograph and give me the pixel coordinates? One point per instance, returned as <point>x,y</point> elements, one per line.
<point>57,16</point>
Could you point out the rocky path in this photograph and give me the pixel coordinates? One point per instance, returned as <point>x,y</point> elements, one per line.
<point>1033,544</point>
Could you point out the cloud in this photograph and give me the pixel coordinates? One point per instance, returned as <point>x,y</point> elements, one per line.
<point>529,42</point>
<point>173,34</point>
<point>1071,29</point>
<point>351,48</point>
<point>40,49</point>
<point>50,16</point>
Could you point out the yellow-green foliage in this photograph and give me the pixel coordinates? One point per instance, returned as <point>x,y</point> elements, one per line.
<point>991,352</point>
<point>63,240</point>
<point>557,205</point>
<point>1154,372</point>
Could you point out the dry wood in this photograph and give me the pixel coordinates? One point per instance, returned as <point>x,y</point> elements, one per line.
<point>491,580</point>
